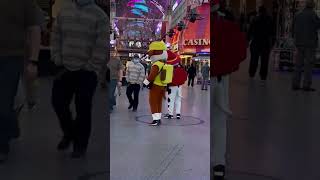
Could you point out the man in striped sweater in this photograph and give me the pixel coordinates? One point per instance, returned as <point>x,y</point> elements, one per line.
<point>79,45</point>
<point>135,76</point>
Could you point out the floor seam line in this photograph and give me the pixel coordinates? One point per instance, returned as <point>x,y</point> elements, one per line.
<point>170,162</point>
<point>162,162</point>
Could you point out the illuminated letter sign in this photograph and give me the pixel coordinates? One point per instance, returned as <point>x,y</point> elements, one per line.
<point>196,42</point>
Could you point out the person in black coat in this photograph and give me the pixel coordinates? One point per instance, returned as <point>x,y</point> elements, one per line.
<point>192,72</point>
<point>260,34</point>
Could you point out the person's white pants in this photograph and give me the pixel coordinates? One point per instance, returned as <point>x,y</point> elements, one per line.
<point>174,99</point>
<point>221,112</point>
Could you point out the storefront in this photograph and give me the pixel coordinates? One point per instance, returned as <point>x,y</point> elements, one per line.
<point>284,52</point>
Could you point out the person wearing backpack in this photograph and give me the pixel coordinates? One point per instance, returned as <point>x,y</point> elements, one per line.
<point>158,79</point>
<point>192,73</point>
<point>226,35</point>
<point>174,89</point>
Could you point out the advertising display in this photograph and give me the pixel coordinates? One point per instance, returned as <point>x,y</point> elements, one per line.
<point>196,38</point>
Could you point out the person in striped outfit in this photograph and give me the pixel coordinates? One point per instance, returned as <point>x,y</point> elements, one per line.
<point>135,76</point>
<point>79,46</point>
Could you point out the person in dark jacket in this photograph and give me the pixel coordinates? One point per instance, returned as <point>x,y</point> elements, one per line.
<point>306,27</point>
<point>192,73</point>
<point>260,34</point>
<point>205,71</point>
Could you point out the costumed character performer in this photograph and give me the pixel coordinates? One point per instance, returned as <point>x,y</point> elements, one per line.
<point>158,79</point>
<point>180,76</point>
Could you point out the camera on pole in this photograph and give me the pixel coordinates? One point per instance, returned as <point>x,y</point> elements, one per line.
<point>181,26</point>
<point>193,16</point>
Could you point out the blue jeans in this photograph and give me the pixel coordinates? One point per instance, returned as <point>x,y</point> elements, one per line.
<point>10,73</point>
<point>112,90</point>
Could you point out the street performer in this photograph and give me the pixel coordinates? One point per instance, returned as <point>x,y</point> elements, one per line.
<point>160,76</point>
<point>174,89</point>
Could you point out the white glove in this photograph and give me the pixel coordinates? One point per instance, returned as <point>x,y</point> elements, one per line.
<point>146,82</point>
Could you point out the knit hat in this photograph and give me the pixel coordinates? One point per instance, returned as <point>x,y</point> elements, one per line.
<point>173,59</point>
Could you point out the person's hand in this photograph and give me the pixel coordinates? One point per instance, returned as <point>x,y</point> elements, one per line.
<point>32,71</point>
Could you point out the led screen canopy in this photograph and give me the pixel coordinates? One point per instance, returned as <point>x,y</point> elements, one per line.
<point>141,7</point>
<point>137,12</point>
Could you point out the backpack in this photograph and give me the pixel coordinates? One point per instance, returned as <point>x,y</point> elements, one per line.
<point>180,76</point>
<point>166,73</point>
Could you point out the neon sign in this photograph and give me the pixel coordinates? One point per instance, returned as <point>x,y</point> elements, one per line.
<point>196,42</point>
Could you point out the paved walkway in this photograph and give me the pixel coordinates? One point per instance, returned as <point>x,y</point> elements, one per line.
<point>274,132</point>
<point>178,150</point>
<point>34,155</point>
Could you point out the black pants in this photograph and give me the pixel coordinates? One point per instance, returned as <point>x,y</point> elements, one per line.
<point>263,54</point>
<point>81,85</point>
<point>10,73</point>
<point>191,81</point>
<point>135,89</point>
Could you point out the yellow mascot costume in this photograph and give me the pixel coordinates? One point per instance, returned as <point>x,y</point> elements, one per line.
<point>160,76</point>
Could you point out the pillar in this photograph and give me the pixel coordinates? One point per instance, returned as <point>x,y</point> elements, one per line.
<point>169,21</point>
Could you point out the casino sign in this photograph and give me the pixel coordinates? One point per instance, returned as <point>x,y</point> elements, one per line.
<point>196,42</point>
